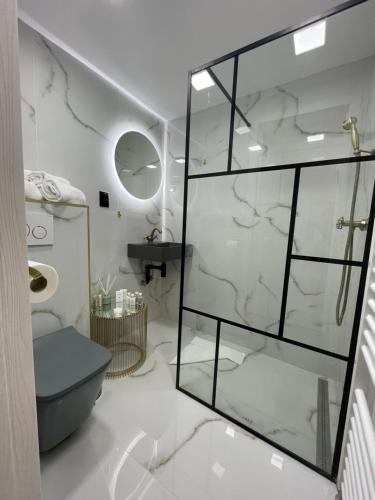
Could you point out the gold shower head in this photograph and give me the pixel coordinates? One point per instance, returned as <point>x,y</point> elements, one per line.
<point>351,124</point>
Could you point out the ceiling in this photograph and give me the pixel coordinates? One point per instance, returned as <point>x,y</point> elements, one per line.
<point>350,37</point>
<point>148,46</point>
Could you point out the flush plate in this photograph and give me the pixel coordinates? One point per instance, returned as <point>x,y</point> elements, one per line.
<point>39,229</point>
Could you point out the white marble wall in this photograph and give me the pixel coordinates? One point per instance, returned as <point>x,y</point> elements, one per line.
<point>70,304</point>
<point>71,121</point>
<point>282,118</point>
<point>174,193</point>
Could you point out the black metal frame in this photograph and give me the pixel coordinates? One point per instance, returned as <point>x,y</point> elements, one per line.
<point>289,254</point>
<point>293,214</point>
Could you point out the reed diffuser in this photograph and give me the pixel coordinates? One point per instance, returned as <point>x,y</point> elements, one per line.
<point>106,291</point>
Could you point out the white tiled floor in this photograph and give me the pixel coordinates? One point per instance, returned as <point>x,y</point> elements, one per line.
<point>145,440</point>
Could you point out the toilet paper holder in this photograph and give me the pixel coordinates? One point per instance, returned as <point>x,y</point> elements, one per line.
<point>38,282</point>
<point>43,281</point>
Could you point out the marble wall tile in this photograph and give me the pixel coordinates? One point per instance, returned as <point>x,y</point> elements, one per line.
<point>70,305</point>
<point>28,105</point>
<point>173,212</point>
<point>71,121</point>
<point>236,229</point>
<point>283,117</point>
<point>325,194</point>
<point>311,306</point>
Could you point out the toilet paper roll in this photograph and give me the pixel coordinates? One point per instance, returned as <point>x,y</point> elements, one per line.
<point>44,281</point>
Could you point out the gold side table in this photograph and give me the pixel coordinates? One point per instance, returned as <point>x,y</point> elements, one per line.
<point>125,337</point>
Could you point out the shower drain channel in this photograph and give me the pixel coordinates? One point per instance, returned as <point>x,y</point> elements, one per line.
<point>323,430</point>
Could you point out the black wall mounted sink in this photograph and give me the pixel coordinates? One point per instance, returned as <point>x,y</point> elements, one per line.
<point>160,251</point>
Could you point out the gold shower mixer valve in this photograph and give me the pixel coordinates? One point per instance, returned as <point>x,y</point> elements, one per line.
<point>360,224</point>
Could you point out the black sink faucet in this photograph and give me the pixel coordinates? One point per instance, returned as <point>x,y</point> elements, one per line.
<point>153,236</point>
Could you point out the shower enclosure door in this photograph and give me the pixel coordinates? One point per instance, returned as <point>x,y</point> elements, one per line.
<point>269,175</point>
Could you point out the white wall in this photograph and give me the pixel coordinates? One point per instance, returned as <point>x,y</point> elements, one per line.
<point>69,256</point>
<point>71,121</point>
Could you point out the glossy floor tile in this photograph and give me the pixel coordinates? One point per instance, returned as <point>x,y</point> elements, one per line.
<point>145,440</point>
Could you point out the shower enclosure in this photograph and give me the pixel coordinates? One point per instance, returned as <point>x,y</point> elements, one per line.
<point>273,185</point>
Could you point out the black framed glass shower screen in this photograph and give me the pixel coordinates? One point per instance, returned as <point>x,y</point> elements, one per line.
<point>268,175</point>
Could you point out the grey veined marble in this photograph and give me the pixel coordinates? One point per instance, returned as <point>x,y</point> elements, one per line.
<point>71,120</point>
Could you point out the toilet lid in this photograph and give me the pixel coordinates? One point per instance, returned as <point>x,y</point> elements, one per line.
<point>63,360</point>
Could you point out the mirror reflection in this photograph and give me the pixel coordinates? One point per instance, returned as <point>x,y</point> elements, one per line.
<point>138,165</point>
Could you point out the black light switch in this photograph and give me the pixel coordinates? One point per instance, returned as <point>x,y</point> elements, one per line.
<point>103,199</point>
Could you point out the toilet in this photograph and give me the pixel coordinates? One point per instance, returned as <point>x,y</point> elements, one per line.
<point>69,371</point>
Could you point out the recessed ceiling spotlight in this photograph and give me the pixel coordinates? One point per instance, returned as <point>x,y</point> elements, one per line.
<point>230,431</point>
<point>151,166</point>
<point>202,80</point>
<point>218,469</point>
<point>277,461</point>
<point>172,189</point>
<point>310,38</point>
<point>126,170</point>
<point>257,147</point>
<point>180,160</point>
<point>315,138</point>
<point>242,130</point>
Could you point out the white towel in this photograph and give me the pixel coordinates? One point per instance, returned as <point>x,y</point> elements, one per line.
<point>39,176</point>
<point>55,188</point>
<point>71,194</point>
<point>32,192</point>
<point>50,189</point>
<point>200,350</point>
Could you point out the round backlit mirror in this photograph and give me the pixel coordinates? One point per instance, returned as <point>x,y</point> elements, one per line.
<point>138,165</point>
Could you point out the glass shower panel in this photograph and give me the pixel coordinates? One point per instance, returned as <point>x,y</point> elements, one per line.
<point>299,388</point>
<point>238,226</point>
<point>296,103</point>
<point>210,119</point>
<point>198,341</point>
<point>311,306</point>
<point>248,274</point>
<point>325,195</point>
